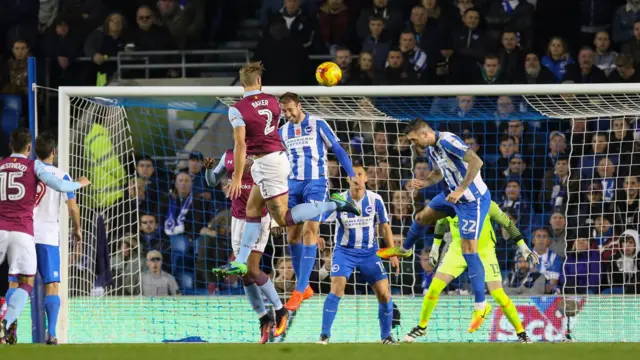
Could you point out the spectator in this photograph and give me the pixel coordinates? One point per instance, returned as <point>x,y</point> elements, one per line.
<point>147,36</point>
<point>61,46</point>
<point>472,143</point>
<point>557,148</point>
<point>518,171</point>
<point>534,73</point>
<point>427,32</point>
<point>334,24</point>
<point>627,205</point>
<point>214,242</point>
<point>392,19</point>
<point>185,216</point>
<point>343,60</point>
<point>508,147</point>
<point>83,15</point>
<point>14,77</point>
<point>412,53</point>
<point>515,15</point>
<point>599,148</point>
<point>550,264</point>
<point>491,72</point>
<point>558,231</point>
<point>196,171</point>
<point>592,205</point>
<point>602,232</point>
<point>401,211</point>
<point>621,140</point>
<point>156,282</point>
<point>606,174</point>
<point>151,237</point>
<point>397,72</point>
<point>104,42</point>
<point>283,70</point>
<point>623,22</point>
<point>557,58</point>
<point>511,56</point>
<point>444,66</point>
<point>622,270</point>
<point>469,39</point>
<point>364,75</point>
<point>554,192</point>
<point>125,267</point>
<point>595,17</point>
<point>186,24</point>
<point>301,26</point>
<point>625,71</point>
<point>585,72</point>
<point>605,58</point>
<point>283,276</point>
<point>513,201</point>
<point>633,46</point>
<point>377,42</point>
<point>582,266</point>
<point>523,281</point>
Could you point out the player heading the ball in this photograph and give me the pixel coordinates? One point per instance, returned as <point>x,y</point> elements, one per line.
<point>355,248</point>
<point>255,119</point>
<point>19,177</point>
<point>466,196</point>
<point>308,140</point>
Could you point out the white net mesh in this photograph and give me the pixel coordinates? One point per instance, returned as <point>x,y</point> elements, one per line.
<point>519,146</point>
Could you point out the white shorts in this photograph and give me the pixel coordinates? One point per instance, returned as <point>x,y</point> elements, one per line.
<point>271,174</point>
<point>237,228</point>
<point>20,250</point>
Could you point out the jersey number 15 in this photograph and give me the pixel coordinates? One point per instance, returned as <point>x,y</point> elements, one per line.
<point>8,181</point>
<point>268,127</point>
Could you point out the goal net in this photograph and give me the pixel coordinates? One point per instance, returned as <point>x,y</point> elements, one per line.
<point>547,157</point>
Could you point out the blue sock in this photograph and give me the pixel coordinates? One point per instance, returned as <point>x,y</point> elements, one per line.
<point>249,237</point>
<point>52,307</point>
<point>416,231</point>
<point>9,293</point>
<point>385,315</point>
<point>296,256</point>
<point>306,266</point>
<point>16,303</point>
<point>303,212</point>
<point>255,298</point>
<point>329,313</point>
<point>476,275</point>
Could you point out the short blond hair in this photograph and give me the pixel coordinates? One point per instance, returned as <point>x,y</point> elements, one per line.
<point>250,72</point>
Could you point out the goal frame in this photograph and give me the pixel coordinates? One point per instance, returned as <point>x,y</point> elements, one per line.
<point>65,94</point>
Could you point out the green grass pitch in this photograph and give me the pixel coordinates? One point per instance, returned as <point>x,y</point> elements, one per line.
<point>515,351</point>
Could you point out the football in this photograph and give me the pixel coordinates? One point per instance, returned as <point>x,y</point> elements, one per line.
<point>328,74</point>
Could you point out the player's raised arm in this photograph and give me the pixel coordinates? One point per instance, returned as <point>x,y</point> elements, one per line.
<point>58,184</point>
<point>333,142</point>
<point>496,214</point>
<point>458,149</point>
<point>74,214</point>
<point>239,151</point>
<point>213,175</point>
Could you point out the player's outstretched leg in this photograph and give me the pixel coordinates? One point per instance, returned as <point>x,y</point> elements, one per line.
<point>416,232</point>
<point>304,212</point>
<point>510,311</point>
<point>429,303</point>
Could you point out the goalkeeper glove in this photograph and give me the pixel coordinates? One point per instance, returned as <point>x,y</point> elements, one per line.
<point>528,255</point>
<point>433,255</point>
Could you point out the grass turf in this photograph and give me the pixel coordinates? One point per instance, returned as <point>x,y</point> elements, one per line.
<point>581,351</point>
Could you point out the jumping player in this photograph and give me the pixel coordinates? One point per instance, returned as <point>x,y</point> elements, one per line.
<point>453,265</point>
<point>466,196</point>
<point>307,139</point>
<point>256,282</point>
<point>355,248</point>
<point>255,119</point>
<point>18,188</point>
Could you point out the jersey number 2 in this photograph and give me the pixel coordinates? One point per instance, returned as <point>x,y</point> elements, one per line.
<point>269,127</point>
<point>8,181</point>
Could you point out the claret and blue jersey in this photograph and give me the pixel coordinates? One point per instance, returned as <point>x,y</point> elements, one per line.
<point>448,155</point>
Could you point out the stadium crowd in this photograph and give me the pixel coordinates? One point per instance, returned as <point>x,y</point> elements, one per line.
<point>568,184</point>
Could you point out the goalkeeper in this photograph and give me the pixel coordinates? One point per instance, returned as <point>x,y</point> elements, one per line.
<point>454,264</point>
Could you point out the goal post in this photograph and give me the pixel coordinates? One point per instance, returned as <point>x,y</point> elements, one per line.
<point>360,114</point>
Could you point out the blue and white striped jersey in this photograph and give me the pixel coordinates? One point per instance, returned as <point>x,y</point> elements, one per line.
<point>359,232</point>
<point>307,144</point>
<point>447,155</point>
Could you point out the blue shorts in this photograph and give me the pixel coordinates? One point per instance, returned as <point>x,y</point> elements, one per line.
<point>470,214</point>
<point>346,260</point>
<point>48,262</point>
<point>308,191</point>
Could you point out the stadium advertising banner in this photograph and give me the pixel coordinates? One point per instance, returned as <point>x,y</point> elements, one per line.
<point>230,319</point>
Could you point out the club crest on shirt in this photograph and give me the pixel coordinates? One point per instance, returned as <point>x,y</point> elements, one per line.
<point>368,210</point>
<point>308,130</point>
